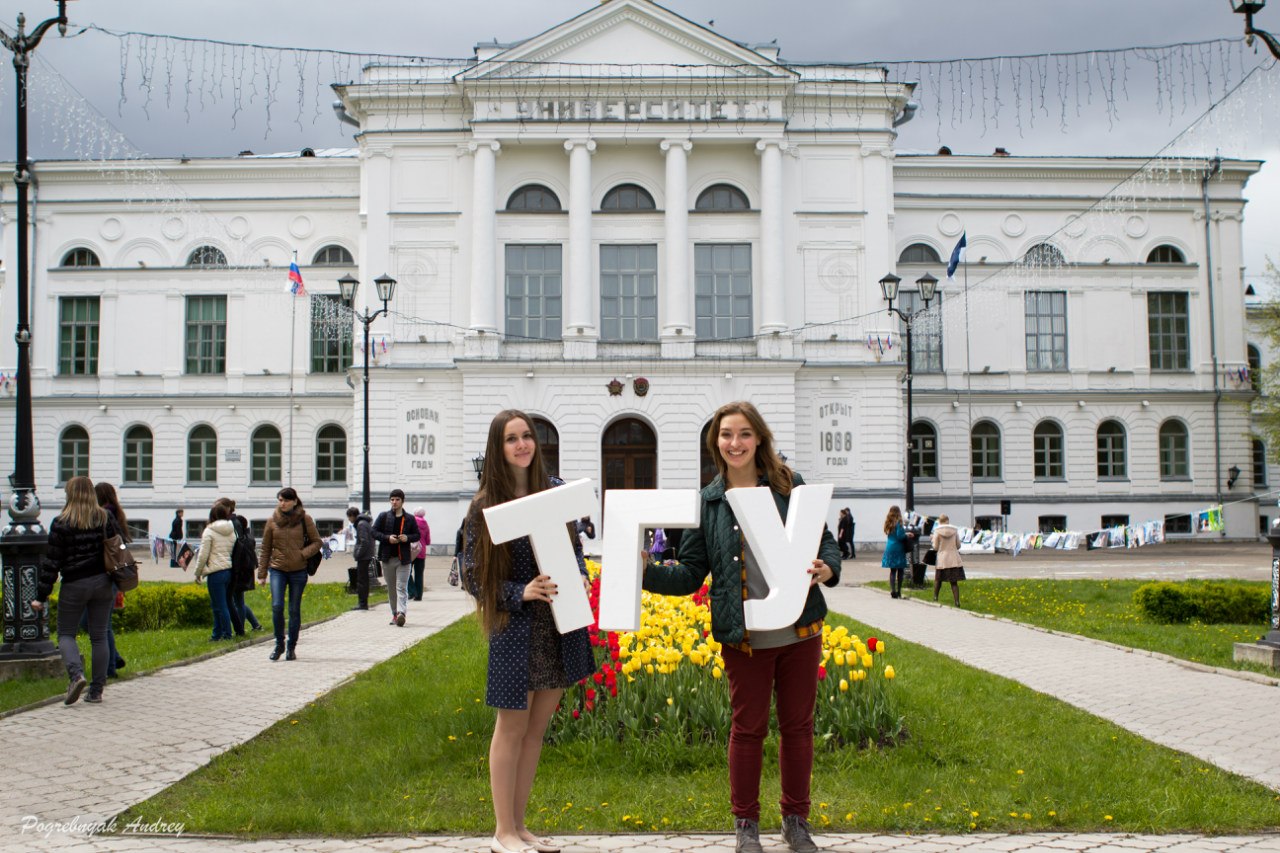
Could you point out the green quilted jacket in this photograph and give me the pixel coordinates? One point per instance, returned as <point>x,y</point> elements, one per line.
<point>717,546</point>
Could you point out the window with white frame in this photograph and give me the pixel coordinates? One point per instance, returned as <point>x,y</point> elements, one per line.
<point>1048,451</point>
<point>534,289</point>
<point>78,335</point>
<point>73,453</point>
<point>1046,330</point>
<point>202,455</point>
<point>985,451</point>
<point>722,290</point>
<point>206,334</point>
<point>265,456</point>
<point>1168,331</point>
<point>1175,451</point>
<point>331,454</point>
<point>1112,453</point>
<point>138,455</point>
<point>629,293</point>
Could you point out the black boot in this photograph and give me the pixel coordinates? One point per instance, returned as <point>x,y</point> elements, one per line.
<point>279,650</point>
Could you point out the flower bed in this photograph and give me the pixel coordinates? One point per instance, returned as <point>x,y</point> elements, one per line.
<point>667,680</point>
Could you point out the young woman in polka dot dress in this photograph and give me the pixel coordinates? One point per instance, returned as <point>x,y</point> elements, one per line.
<point>530,662</point>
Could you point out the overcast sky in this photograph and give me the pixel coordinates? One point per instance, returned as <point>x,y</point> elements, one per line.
<point>845,30</point>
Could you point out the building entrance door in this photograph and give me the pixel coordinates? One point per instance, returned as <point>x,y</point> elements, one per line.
<point>629,454</point>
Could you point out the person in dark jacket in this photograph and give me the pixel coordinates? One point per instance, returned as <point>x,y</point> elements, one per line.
<point>760,664</point>
<point>108,500</point>
<point>177,538</point>
<point>897,543</point>
<point>288,540</point>
<point>76,537</point>
<point>242,573</point>
<point>530,662</point>
<point>363,554</point>
<point>396,531</point>
<point>844,534</point>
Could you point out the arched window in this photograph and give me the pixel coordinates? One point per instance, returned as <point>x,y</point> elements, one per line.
<point>202,455</point>
<point>984,446</point>
<point>331,454</point>
<point>1112,454</point>
<point>73,453</point>
<point>924,451</point>
<point>534,197</point>
<point>207,256</point>
<point>629,455</point>
<point>81,258</point>
<point>1044,255</point>
<point>1166,254</point>
<point>919,253</point>
<point>265,454</point>
<point>138,455</point>
<point>549,440</point>
<point>1048,451</point>
<point>722,197</point>
<point>1254,355</point>
<point>333,255</point>
<point>628,197</point>
<point>1175,452</point>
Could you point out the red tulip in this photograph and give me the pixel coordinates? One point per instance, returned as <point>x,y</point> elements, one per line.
<point>822,673</point>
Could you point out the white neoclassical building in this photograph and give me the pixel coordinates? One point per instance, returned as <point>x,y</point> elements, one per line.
<point>617,225</point>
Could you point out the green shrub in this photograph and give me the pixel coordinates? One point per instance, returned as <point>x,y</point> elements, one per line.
<point>1164,602</point>
<point>153,606</point>
<point>1210,603</point>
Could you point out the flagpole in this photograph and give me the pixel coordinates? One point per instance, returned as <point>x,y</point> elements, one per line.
<point>293,334</point>
<point>968,381</point>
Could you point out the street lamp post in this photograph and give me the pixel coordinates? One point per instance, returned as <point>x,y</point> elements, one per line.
<point>386,286</point>
<point>928,288</point>
<point>1249,8</point>
<point>23,540</point>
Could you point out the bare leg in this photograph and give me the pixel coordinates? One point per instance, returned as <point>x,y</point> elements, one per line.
<point>542,705</point>
<point>504,769</point>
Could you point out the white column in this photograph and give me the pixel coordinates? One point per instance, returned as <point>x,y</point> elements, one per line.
<point>579,320</point>
<point>773,313</point>
<point>484,279</point>
<point>675,299</point>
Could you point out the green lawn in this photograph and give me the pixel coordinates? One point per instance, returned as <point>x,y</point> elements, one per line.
<point>982,753</point>
<point>1103,610</point>
<point>146,650</point>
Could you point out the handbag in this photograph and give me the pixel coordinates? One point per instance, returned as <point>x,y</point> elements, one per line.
<point>313,562</point>
<point>455,574</point>
<point>118,561</point>
<point>931,557</point>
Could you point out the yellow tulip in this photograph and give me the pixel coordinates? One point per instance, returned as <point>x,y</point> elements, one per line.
<point>866,661</point>
<point>880,646</point>
<point>839,658</point>
<point>715,672</point>
<point>889,673</point>
<point>844,686</point>
<point>846,643</point>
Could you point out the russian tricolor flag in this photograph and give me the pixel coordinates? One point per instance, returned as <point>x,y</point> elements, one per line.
<point>295,278</point>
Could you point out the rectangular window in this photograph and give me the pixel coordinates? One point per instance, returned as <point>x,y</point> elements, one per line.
<point>926,331</point>
<point>535,277</point>
<point>78,336</point>
<point>722,290</point>
<point>327,527</point>
<point>1180,523</point>
<point>1052,523</point>
<point>1168,331</point>
<point>193,529</point>
<point>629,293</point>
<point>1046,320</point>
<point>1115,521</point>
<point>206,334</point>
<point>331,334</point>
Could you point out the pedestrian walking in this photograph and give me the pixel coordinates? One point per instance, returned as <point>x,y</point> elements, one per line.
<point>109,501</point>
<point>213,563</point>
<point>396,531</point>
<point>760,664</point>
<point>177,538</point>
<point>530,662</point>
<point>363,554</point>
<point>244,564</point>
<point>844,534</point>
<point>417,583</point>
<point>895,550</point>
<point>949,567</point>
<point>76,537</point>
<point>289,539</point>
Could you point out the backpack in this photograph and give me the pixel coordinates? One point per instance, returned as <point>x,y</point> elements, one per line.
<point>244,554</point>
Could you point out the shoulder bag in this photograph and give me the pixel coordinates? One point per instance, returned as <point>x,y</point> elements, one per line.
<point>313,562</point>
<point>118,561</point>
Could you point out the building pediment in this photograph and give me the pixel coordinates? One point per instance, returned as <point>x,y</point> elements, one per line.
<point>632,38</point>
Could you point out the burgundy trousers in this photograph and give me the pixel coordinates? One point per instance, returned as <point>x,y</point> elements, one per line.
<point>790,674</point>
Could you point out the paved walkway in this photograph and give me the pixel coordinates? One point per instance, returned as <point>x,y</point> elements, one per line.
<point>155,730</point>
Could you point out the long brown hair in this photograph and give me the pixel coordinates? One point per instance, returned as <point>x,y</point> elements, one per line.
<point>497,486</point>
<point>893,519</point>
<point>82,510</point>
<point>107,499</point>
<point>767,460</point>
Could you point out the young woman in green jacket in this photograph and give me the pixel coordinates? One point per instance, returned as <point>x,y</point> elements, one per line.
<point>760,664</point>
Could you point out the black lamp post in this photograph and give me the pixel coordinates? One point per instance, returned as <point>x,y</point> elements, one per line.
<point>928,288</point>
<point>23,540</point>
<point>1233,474</point>
<point>386,286</point>
<point>1249,8</point>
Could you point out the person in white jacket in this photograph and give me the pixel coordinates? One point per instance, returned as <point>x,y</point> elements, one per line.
<point>213,563</point>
